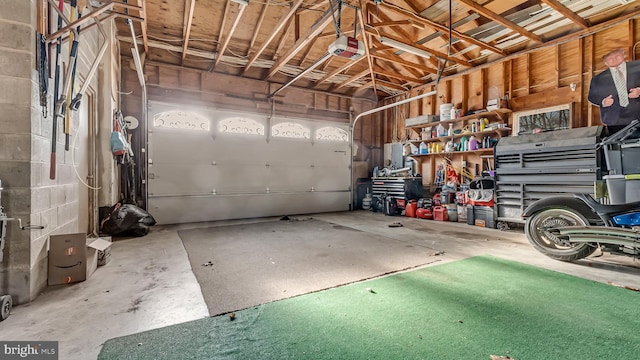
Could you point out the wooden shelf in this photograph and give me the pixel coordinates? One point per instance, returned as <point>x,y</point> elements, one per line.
<point>498,131</point>
<point>443,153</point>
<point>497,112</point>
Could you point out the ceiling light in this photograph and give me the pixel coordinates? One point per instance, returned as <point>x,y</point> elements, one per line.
<point>241,2</point>
<point>404,47</point>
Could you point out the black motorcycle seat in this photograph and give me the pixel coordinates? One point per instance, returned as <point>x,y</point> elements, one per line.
<point>607,208</point>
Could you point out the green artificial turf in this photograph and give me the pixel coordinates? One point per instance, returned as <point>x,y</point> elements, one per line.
<point>468,309</point>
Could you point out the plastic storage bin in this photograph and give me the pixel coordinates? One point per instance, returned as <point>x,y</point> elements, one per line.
<point>632,187</point>
<point>623,188</point>
<point>616,187</point>
<point>483,216</point>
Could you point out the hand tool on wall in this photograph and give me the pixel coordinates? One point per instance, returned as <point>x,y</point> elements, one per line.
<point>56,89</point>
<point>43,71</point>
<point>72,68</point>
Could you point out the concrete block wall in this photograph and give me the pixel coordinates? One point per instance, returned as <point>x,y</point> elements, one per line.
<point>25,150</point>
<point>17,63</point>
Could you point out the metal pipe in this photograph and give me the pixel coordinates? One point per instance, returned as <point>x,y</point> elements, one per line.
<point>142,161</point>
<point>375,110</point>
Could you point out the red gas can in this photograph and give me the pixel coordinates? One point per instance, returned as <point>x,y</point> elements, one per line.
<point>410,209</point>
<point>424,213</point>
<point>440,213</point>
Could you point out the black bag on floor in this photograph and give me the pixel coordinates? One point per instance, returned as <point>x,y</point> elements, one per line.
<point>127,219</point>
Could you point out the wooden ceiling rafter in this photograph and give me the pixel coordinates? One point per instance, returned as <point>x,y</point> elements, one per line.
<point>418,23</point>
<point>435,53</point>
<point>216,47</point>
<point>365,39</point>
<point>500,20</point>
<point>79,22</point>
<point>379,55</point>
<point>328,63</point>
<point>305,55</point>
<point>381,47</point>
<point>394,75</point>
<point>397,29</point>
<point>283,37</point>
<point>283,21</point>
<point>346,66</point>
<point>221,50</point>
<point>313,31</point>
<point>442,28</point>
<point>143,25</point>
<point>352,79</point>
<point>189,8</point>
<point>444,36</point>
<point>455,46</point>
<point>263,13</point>
<point>566,12</point>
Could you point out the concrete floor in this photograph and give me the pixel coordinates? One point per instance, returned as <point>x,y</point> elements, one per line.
<point>149,284</point>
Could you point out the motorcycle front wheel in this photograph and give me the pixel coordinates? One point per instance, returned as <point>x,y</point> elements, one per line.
<point>548,243</point>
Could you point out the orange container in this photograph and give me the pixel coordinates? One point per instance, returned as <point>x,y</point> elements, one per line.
<point>440,213</point>
<point>410,209</point>
<point>423,213</point>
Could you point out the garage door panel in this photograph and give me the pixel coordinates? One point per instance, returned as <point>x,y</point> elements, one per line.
<point>203,176</point>
<point>294,178</point>
<point>176,147</point>
<point>180,178</point>
<point>212,208</point>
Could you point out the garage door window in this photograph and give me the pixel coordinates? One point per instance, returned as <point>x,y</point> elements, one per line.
<point>181,120</point>
<point>240,125</point>
<point>290,130</point>
<point>332,133</point>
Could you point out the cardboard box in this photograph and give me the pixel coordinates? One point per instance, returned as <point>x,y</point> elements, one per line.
<point>73,257</point>
<point>67,258</point>
<point>104,250</point>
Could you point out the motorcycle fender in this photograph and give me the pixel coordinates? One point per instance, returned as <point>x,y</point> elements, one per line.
<point>560,202</point>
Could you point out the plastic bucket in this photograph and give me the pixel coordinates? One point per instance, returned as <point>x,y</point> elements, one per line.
<point>445,111</point>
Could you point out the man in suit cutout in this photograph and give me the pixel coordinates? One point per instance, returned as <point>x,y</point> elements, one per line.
<point>619,102</point>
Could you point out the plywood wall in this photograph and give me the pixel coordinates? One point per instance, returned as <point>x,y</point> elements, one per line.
<point>536,79</point>
<point>540,78</point>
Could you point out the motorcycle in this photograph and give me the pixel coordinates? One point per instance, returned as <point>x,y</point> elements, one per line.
<point>569,228</point>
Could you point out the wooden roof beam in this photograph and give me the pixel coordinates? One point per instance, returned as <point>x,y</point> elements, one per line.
<point>316,29</point>
<point>557,6</point>
<point>500,19</point>
<point>221,51</point>
<point>258,25</point>
<point>444,29</point>
<point>353,78</point>
<point>397,60</point>
<point>398,76</point>
<point>143,25</point>
<point>283,21</point>
<point>189,7</point>
<point>79,22</point>
<point>366,43</point>
<point>340,69</point>
<point>434,52</point>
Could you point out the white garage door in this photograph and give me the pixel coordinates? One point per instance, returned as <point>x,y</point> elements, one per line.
<point>207,164</point>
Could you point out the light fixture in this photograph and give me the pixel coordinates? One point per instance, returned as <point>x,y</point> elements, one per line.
<point>404,47</point>
<point>241,2</point>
